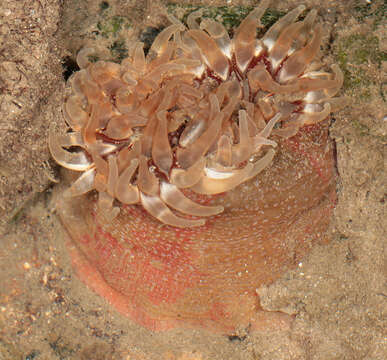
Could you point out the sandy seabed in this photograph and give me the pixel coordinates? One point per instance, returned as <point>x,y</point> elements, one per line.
<point>337,295</point>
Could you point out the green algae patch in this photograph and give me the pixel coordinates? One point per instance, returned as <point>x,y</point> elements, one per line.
<point>354,53</point>
<point>229,16</point>
<point>111,26</point>
<point>359,49</point>
<point>113,29</point>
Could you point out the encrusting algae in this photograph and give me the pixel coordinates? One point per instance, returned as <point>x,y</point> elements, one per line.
<point>206,165</point>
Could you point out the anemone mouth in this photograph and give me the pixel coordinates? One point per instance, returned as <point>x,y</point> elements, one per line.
<point>196,113</point>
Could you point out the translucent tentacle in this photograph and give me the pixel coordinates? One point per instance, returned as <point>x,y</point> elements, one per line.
<point>160,211</point>
<point>82,185</point>
<point>173,197</point>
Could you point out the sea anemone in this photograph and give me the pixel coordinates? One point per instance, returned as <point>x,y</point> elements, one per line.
<point>181,134</point>
<point>194,115</point>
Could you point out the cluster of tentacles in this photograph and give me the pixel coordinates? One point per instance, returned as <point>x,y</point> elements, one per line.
<point>196,113</point>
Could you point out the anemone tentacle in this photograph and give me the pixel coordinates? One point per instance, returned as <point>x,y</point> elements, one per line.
<point>199,112</point>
